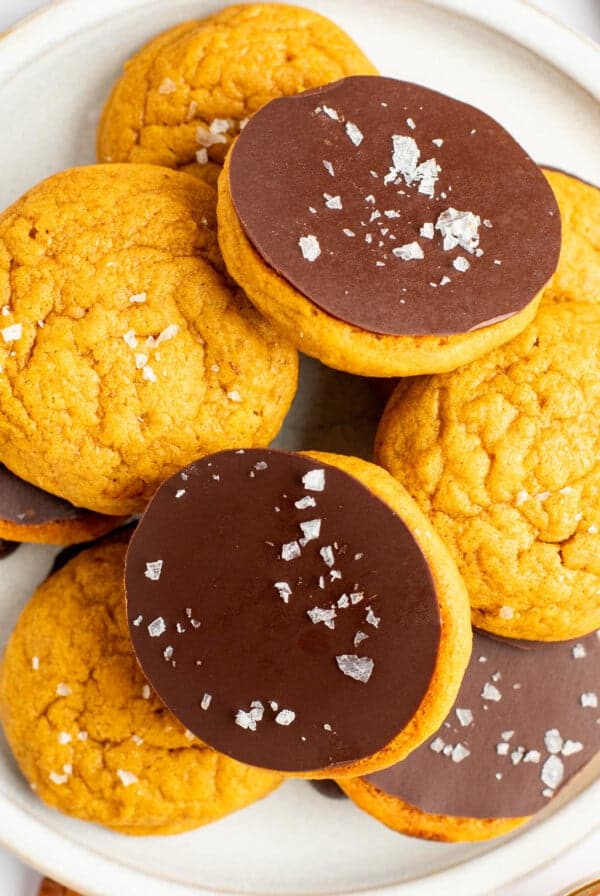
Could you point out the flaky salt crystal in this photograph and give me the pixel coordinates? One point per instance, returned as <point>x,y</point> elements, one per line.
<point>553,772</point>
<point>157,627</point>
<point>285,717</point>
<point>360,668</point>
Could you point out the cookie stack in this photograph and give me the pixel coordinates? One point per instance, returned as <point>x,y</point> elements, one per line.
<point>283,614</point>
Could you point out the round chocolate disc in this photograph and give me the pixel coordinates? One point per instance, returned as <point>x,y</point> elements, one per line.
<point>27,505</point>
<point>395,208</point>
<point>524,723</point>
<point>283,612</point>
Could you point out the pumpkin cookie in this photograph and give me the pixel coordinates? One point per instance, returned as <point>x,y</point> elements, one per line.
<point>407,242</point>
<point>502,456</point>
<point>523,725</point>
<point>297,612</point>
<point>188,92</point>
<point>577,277</point>
<point>125,352</point>
<point>88,733</point>
<point>28,514</point>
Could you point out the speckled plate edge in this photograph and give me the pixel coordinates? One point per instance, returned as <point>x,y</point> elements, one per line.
<point>83,869</point>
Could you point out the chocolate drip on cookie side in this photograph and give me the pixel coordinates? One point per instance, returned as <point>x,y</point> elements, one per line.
<point>524,723</point>
<point>27,505</point>
<point>406,212</point>
<point>282,611</point>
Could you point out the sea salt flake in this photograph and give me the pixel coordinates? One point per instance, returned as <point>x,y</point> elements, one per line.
<point>328,167</point>
<point>168,333</point>
<point>63,690</point>
<point>579,652</point>
<point>438,141</point>
<point>202,156</point>
<point>146,692</point>
<point>64,738</point>
<point>248,720</point>
<point>180,629</point>
<point>335,574</point>
<point>221,125</point>
<point>157,627</point>
<point>311,529</point>
<point>570,747</point>
<point>371,618</point>
<point>327,727</point>
<point>138,297</point>
<point>140,360</point>
<point>333,202</point>
<point>358,556</point>
<point>12,333</point>
<point>356,597</point>
<point>284,591</point>
<point>459,753</point>
<point>553,772</point>
<point>343,602</point>
<point>411,123</point>
<point>437,745</point>
<point>464,716</point>
<point>314,480</point>
<point>405,157</point>
<point>148,374</point>
<point>409,252</point>
<point>305,502</point>
<point>35,663</point>
<point>391,213</point>
<point>517,755</point>
<point>58,779</point>
<point>168,652</point>
<point>532,756</point>
<point>426,230</point>
<point>553,740</point>
<point>130,338</point>
<point>461,263</point>
<point>348,232</point>
<point>331,113</point>
<point>126,778</point>
<point>354,133</point>
<point>167,86</point>
<point>206,701</point>
<point>82,735</point>
<point>459,228</point>
<point>327,555</point>
<point>490,692</point>
<point>234,396</point>
<point>507,735</point>
<point>207,138</point>
<point>589,700</point>
<point>290,551</point>
<point>502,749</point>
<point>180,493</point>
<point>427,174</point>
<point>154,570</point>
<point>285,717</point>
<point>444,280</point>
<point>447,751</point>
<point>498,776</point>
<point>359,637</point>
<point>506,612</point>
<point>322,614</point>
<point>360,668</point>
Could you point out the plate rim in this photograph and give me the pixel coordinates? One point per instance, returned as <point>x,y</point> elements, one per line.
<point>50,852</point>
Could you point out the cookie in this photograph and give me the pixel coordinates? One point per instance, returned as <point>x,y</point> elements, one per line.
<point>525,722</point>
<point>187,93</point>
<point>296,612</point>
<point>28,514</point>
<point>51,888</point>
<point>88,733</point>
<point>577,277</point>
<point>125,351</point>
<point>502,457</point>
<point>407,242</point>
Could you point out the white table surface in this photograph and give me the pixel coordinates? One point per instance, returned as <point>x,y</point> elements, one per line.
<point>579,863</point>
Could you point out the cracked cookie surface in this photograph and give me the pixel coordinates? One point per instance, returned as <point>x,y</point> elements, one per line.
<point>88,733</point>
<point>125,352</point>
<point>577,277</point>
<point>503,457</point>
<point>218,70</point>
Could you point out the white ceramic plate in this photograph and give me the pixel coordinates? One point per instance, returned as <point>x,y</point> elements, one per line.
<point>538,79</point>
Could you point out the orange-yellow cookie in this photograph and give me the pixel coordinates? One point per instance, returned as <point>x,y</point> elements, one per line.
<point>297,611</point>
<point>383,228</point>
<point>88,733</point>
<point>577,277</point>
<point>188,92</point>
<point>51,888</point>
<point>502,456</point>
<point>125,352</point>
<point>28,514</point>
<point>522,727</point>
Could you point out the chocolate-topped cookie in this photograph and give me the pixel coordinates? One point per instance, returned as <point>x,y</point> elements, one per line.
<point>523,724</point>
<point>411,221</point>
<point>296,612</point>
<point>29,514</point>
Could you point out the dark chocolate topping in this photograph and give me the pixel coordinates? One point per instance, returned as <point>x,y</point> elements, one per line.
<point>28,505</point>
<point>330,789</point>
<point>248,649</point>
<point>536,727</point>
<point>314,175</point>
